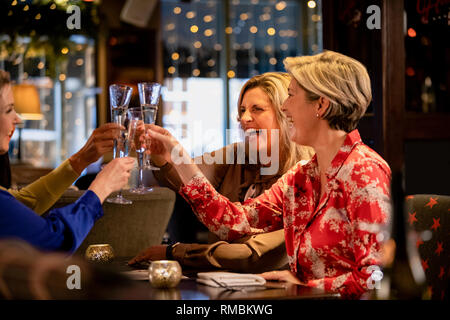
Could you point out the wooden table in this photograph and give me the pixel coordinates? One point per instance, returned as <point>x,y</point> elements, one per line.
<point>189,289</point>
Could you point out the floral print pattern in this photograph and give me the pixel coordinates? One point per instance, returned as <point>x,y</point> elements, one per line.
<point>330,241</point>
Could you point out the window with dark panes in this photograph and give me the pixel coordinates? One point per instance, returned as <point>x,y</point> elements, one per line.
<point>212,47</point>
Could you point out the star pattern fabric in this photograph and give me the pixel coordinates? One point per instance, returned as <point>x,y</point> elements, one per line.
<point>333,242</point>
<point>430,227</point>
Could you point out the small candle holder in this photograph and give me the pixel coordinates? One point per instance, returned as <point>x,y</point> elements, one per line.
<point>164,273</point>
<point>100,253</point>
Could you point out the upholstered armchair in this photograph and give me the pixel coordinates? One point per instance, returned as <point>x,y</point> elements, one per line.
<point>129,228</point>
<point>428,242</point>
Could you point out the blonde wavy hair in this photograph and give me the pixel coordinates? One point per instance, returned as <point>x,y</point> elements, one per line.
<point>275,85</point>
<point>4,79</point>
<point>341,79</point>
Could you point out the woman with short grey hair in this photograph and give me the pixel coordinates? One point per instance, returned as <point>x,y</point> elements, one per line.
<point>334,209</point>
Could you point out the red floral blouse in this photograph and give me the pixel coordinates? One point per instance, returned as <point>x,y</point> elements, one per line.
<point>331,242</point>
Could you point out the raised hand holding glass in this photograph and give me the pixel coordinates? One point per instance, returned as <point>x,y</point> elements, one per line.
<point>120,96</point>
<point>149,94</point>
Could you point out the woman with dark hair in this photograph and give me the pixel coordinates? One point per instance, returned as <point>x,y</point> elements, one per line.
<point>64,228</point>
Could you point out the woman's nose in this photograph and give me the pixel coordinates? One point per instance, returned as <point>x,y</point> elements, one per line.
<point>245,116</point>
<point>17,119</point>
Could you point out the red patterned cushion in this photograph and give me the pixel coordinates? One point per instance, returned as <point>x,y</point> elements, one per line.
<point>428,222</point>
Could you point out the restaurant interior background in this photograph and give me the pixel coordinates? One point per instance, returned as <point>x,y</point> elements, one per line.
<point>202,51</point>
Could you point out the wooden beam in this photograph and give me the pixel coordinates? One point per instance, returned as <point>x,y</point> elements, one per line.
<point>393,56</point>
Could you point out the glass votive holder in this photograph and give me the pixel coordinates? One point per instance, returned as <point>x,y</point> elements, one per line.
<point>164,273</point>
<point>99,253</point>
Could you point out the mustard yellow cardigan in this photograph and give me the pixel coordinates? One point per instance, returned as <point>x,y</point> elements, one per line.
<point>44,192</point>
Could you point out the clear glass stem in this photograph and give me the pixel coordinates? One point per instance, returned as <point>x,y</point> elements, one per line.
<point>141,169</point>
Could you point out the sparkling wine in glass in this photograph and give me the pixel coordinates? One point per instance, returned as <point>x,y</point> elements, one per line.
<point>137,130</point>
<point>149,94</point>
<point>120,96</point>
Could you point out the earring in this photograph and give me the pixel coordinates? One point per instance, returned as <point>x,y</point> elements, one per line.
<point>317,115</point>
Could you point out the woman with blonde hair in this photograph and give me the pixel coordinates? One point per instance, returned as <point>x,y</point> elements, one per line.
<point>334,210</point>
<point>261,118</point>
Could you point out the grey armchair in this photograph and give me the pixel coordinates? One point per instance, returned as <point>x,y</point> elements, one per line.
<point>129,228</point>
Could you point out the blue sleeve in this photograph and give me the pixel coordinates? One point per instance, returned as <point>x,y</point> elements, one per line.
<point>63,229</point>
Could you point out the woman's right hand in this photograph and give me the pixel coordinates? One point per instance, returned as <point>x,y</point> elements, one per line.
<point>165,145</point>
<point>162,143</point>
<point>112,177</point>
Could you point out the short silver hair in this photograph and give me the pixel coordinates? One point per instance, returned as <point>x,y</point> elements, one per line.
<point>341,79</point>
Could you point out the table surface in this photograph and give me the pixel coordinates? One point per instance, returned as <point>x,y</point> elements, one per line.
<point>189,289</point>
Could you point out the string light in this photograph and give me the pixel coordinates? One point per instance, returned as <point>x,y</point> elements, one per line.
<point>175,56</point>
<point>197,44</point>
<point>228,30</point>
<point>207,18</point>
<point>190,15</point>
<point>196,72</point>
<point>280,5</point>
<point>412,33</point>
<point>243,16</point>
<point>65,50</point>
<point>38,16</point>
<point>312,4</point>
<point>171,70</point>
<point>271,31</point>
<point>194,29</point>
<point>208,33</point>
<point>315,18</point>
<point>267,48</point>
<point>62,77</point>
<point>177,10</point>
<point>231,74</point>
<point>253,29</point>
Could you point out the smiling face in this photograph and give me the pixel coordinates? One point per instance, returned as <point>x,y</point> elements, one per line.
<point>256,112</point>
<point>301,114</point>
<point>8,117</point>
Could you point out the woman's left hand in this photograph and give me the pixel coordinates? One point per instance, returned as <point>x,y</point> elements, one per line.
<point>100,142</point>
<point>284,275</point>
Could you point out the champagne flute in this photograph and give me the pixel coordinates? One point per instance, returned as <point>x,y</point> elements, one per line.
<point>149,93</point>
<point>120,96</point>
<point>137,130</point>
